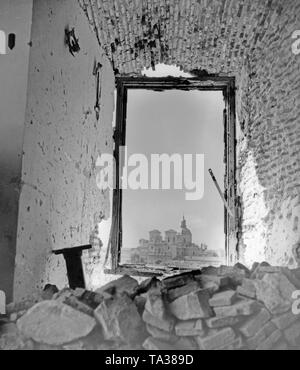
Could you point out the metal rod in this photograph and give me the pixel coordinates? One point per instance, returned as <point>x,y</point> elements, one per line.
<point>220,192</point>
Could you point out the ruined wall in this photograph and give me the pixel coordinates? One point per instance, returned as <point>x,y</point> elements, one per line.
<point>270,155</point>
<point>15,17</point>
<point>248,39</point>
<point>60,203</point>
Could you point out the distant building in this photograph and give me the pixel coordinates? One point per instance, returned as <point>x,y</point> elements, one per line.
<point>175,246</point>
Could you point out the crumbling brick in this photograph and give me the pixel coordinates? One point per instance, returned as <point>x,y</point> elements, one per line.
<point>190,328</point>
<point>253,325</point>
<point>192,306</point>
<point>244,307</point>
<point>216,339</point>
<point>221,322</point>
<point>226,298</point>
<point>120,319</point>
<point>284,321</point>
<point>166,323</point>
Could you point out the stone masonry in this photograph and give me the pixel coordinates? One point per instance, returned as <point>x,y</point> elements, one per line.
<point>225,308</point>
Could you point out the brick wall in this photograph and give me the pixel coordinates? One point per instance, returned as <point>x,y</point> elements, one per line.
<point>252,41</point>
<point>270,157</point>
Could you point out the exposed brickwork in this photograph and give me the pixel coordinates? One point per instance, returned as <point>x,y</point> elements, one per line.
<point>213,35</point>
<point>252,41</point>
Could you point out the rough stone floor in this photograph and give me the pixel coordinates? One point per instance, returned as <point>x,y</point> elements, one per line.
<point>225,308</point>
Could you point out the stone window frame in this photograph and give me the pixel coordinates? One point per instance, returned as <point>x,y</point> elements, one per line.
<point>227,85</point>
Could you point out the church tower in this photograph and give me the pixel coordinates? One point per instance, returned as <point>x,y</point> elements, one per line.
<point>183,223</point>
<point>186,233</point>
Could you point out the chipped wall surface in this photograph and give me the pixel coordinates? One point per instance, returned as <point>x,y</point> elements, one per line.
<point>248,39</point>
<point>15,17</point>
<point>271,140</point>
<point>60,204</point>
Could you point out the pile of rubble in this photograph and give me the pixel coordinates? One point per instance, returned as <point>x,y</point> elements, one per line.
<point>225,308</point>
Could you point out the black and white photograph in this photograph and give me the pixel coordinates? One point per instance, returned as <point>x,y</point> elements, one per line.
<point>149,178</point>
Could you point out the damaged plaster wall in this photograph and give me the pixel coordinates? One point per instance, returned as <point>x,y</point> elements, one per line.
<point>270,154</point>
<point>15,17</point>
<point>60,204</point>
<point>248,39</point>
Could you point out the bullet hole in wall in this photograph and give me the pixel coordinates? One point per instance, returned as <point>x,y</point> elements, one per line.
<point>72,41</point>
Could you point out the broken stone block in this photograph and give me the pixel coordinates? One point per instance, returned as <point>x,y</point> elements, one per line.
<point>192,306</point>
<point>218,281</point>
<point>269,270</point>
<point>275,291</point>
<point>140,302</point>
<point>296,272</point>
<point>292,334</point>
<point>190,328</point>
<point>210,270</point>
<point>54,323</point>
<point>75,303</point>
<point>177,281</point>
<point>93,341</point>
<point>186,344</point>
<point>284,321</point>
<point>247,289</point>
<point>47,347</point>
<point>236,345</point>
<point>281,346</point>
<point>243,307</point>
<point>222,322</point>
<point>210,287</point>
<point>12,340</point>
<point>226,298</point>
<point>253,325</point>
<point>80,299</point>
<point>24,305</point>
<point>91,299</point>
<point>154,344</point>
<point>240,267</point>
<point>255,271</point>
<point>14,317</point>
<point>261,335</point>
<point>270,342</point>
<point>155,303</point>
<point>120,319</point>
<point>235,274</point>
<point>124,284</point>
<point>293,276</point>
<point>49,292</point>
<point>147,284</point>
<point>254,267</point>
<point>160,334</point>
<point>175,293</point>
<point>216,339</point>
<point>77,346</point>
<point>166,323</point>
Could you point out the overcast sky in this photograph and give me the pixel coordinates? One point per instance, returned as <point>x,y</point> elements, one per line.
<point>176,122</point>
